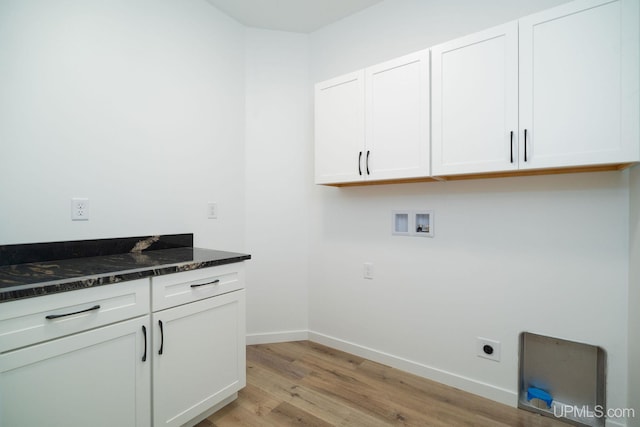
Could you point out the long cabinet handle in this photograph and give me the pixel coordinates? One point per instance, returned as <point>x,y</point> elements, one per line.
<point>368,152</point>
<point>525,145</point>
<point>161,337</point>
<point>144,334</point>
<point>55,316</point>
<point>511,144</point>
<point>205,284</point>
<point>360,163</point>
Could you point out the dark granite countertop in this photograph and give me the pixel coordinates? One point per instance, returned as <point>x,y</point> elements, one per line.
<point>42,277</point>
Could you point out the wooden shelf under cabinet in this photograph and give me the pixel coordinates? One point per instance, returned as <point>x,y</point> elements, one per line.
<point>528,172</point>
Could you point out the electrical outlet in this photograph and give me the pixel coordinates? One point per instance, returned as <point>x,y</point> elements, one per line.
<point>79,209</point>
<point>368,270</point>
<point>488,349</point>
<point>212,210</point>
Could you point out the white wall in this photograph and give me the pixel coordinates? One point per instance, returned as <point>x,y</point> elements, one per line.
<point>278,147</point>
<point>634,295</point>
<point>396,27</point>
<point>138,106</point>
<point>542,254</point>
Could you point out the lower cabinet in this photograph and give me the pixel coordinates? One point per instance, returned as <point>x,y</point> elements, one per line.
<point>93,378</point>
<point>109,356</point>
<point>198,357</point>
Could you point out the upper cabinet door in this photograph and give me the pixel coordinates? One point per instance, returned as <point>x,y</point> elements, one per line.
<point>579,84</point>
<point>475,102</point>
<point>397,118</point>
<point>339,129</point>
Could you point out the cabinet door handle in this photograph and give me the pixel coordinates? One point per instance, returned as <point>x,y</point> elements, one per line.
<point>161,337</point>
<point>55,316</point>
<point>525,145</point>
<point>144,334</point>
<point>360,163</point>
<point>204,284</point>
<point>511,144</point>
<point>368,152</point>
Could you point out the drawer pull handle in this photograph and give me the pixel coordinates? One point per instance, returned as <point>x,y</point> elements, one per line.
<point>205,284</point>
<point>144,333</point>
<point>55,316</point>
<point>360,163</point>
<point>161,337</point>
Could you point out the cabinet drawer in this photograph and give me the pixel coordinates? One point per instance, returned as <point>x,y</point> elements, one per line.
<point>185,287</point>
<point>29,321</point>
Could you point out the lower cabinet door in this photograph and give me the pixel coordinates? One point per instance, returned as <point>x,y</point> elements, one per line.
<point>198,357</point>
<point>94,378</point>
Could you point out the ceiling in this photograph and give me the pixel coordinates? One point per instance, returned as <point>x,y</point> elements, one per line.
<point>300,16</point>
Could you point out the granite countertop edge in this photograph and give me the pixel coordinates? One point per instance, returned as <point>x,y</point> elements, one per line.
<point>19,292</point>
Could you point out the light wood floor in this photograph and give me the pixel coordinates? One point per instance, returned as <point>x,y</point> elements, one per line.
<point>307,384</point>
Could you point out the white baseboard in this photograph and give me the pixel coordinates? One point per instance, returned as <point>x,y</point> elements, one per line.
<point>508,397</point>
<point>274,337</point>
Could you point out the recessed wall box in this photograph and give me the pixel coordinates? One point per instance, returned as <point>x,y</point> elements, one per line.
<point>401,226</point>
<point>412,223</point>
<point>423,224</point>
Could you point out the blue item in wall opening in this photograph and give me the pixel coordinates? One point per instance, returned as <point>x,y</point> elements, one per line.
<point>536,393</point>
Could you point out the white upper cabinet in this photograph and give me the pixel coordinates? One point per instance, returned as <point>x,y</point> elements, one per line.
<point>374,124</point>
<point>475,102</point>
<point>556,89</point>
<point>579,84</point>
<point>397,118</point>
<point>339,129</point>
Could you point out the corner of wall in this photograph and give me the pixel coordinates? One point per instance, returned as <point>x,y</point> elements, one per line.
<point>634,295</point>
